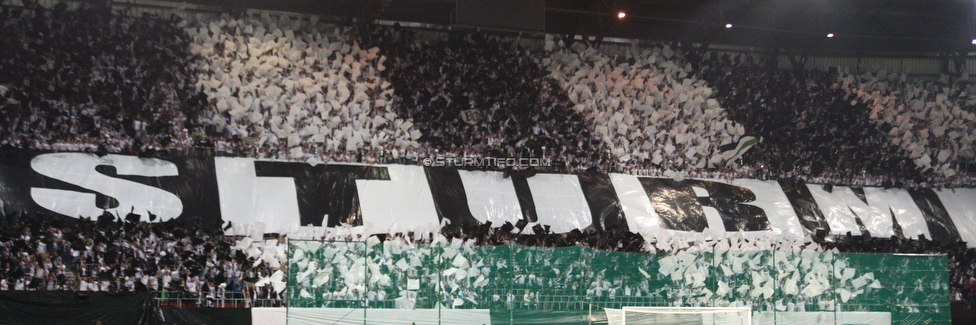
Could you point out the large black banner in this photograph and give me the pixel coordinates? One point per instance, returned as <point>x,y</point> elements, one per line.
<point>210,191</point>
<point>116,184</point>
<point>324,190</point>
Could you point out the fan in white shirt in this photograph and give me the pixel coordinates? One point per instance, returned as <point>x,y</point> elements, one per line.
<point>83,285</point>
<point>191,285</point>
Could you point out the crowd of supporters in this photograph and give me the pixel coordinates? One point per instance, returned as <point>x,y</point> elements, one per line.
<point>294,89</point>
<point>931,120</point>
<point>962,260</point>
<point>74,80</point>
<point>813,127</point>
<point>286,88</point>
<point>202,266</point>
<point>783,106</point>
<point>92,80</point>
<point>107,254</point>
<point>647,108</point>
<point>482,96</point>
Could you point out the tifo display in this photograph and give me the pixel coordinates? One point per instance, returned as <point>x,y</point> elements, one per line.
<point>366,162</point>
<point>515,282</point>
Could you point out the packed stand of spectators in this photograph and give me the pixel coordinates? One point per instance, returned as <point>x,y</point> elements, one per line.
<point>647,107</point>
<point>41,253</point>
<point>472,271</point>
<point>933,121</point>
<point>410,255</point>
<point>292,88</point>
<point>809,127</point>
<point>77,80</point>
<point>479,96</point>
<point>296,89</point>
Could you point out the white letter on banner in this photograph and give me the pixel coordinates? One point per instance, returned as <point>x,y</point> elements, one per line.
<point>246,198</point>
<point>712,216</point>
<point>837,209</point>
<point>960,204</point>
<point>842,207</point>
<point>771,198</point>
<point>900,202</point>
<point>637,207</point>
<point>559,202</point>
<point>643,219</point>
<point>79,169</point>
<point>400,204</point>
<point>491,197</point>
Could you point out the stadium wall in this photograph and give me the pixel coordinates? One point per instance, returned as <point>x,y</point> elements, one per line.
<point>64,307</point>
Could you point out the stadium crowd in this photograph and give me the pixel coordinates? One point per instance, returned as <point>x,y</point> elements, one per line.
<point>279,87</point>
<point>75,80</point>
<point>107,254</point>
<point>813,127</point>
<point>88,80</point>
<point>649,110</point>
<point>801,118</point>
<point>962,260</point>
<point>929,119</point>
<point>472,92</point>
<point>292,89</point>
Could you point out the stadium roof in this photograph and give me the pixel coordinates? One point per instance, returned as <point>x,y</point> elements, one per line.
<point>799,26</point>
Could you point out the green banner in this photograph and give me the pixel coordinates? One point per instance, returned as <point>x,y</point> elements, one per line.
<point>573,285</point>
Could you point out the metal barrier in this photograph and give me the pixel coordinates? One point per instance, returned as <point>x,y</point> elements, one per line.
<point>198,300</point>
